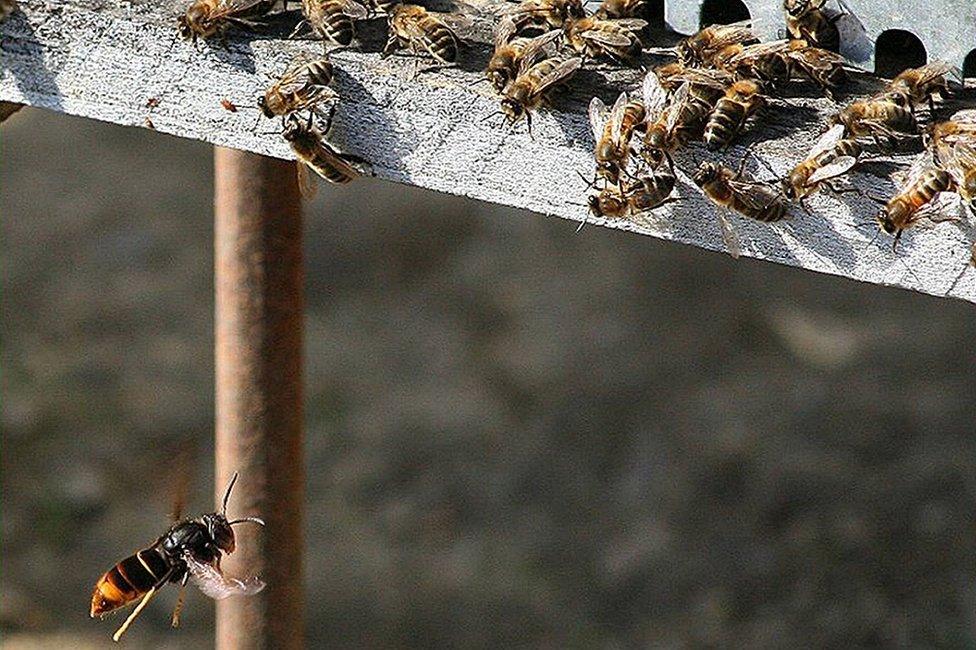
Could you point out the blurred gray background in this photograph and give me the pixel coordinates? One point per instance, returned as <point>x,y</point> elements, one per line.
<point>517,436</point>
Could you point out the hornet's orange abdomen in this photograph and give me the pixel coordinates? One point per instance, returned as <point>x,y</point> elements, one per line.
<point>129,580</point>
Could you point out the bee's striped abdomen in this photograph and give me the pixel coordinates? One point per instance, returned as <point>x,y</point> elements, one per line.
<point>440,41</point>
<point>128,580</point>
<point>724,123</point>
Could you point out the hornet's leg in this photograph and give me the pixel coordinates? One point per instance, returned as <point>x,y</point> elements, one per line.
<point>135,613</point>
<point>179,601</point>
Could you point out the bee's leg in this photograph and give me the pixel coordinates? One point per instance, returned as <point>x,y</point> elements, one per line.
<point>805,206</point>
<point>299,28</point>
<point>392,43</point>
<point>528,122</point>
<point>135,613</point>
<point>175,621</point>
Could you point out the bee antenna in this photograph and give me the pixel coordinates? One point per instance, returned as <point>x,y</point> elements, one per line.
<point>491,115</point>
<point>876,199</point>
<point>247,520</point>
<point>230,486</point>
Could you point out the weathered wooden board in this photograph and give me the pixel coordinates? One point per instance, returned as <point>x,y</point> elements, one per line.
<point>107,59</point>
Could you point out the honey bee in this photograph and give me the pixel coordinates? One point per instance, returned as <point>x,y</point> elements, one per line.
<point>878,118</point>
<point>612,131</point>
<point>961,163</point>
<point>420,30</point>
<point>807,20</point>
<point>929,193</point>
<point>729,191</point>
<point>960,129</point>
<point>206,18</point>
<point>673,124</point>
<point>766,62</point>
<point>700,48</point>
<point>189,551</point>
<point>303,85</point>
<point>637,197</point>
<point>509,52</point>
<point>544,14</point>
<point>823,67</point>
<point>533,84</point>
<point>622,9</point>
<point>740,102</point>
<point>831,157</point>
<point>614,38</point>
<point>309,145</point>
<point>333,19</point>
<point>920,84</point>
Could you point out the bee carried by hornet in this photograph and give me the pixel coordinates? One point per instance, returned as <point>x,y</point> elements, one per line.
<point>189,551</point>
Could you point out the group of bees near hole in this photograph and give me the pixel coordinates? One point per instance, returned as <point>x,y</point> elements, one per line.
<point>720,82</point>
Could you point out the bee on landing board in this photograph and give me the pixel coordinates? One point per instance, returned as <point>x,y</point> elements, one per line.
<point>189,551</point>
<point>807,20</point>
<point>729,190</point>
<point>831,157</point>
<point>636,198</point>
<point>422,31</point>
<point>878,118</point>
<point>614,38</point>
<point>333,20</point>
<point>533,85</point>
<point>673,123</point>
<point>511,50</point>
<point>741,101</point>
<point>206,18</point>
<point>612,131</point>
<point>543,15</point>
<point>313,152</point>
<point>303,85</point>
<point>917,85</point>
<point>700,48</point>
<point>928,193</point>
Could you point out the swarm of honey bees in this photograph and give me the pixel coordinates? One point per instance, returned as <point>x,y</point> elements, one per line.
<point>719,87</point>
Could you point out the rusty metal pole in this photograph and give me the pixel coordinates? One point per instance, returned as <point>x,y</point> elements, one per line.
<point>258,326</point>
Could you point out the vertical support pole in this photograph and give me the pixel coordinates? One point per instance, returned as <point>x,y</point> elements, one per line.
<point>258,326</point>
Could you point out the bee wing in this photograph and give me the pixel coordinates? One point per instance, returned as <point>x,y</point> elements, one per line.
<point>729,236</point>
<point>944,206</point>
<point>598,117</point>
<point>816,58</point>
<point>617,115</point>
<point>505,29</point>
<point>965,116</point>
<point>216,585</point>
<point>630,24</point>
<point>561,72</point>
<point>921,163</point>
<point>604,37</point>
<point>354,10</point>
<point>932,71</point>
<point>532,51</point>
<point>240,8</point>
<point>719,79</point>
<point>836,168</point>
<point>453,21</point>
<point>753,52</point>
<point>833,135</point>
<point>724,35</point>
<point>753,193</point>
<point>306,185</point>
<point>655,97</point>
<point>961,158</point>
<point>680,97</point>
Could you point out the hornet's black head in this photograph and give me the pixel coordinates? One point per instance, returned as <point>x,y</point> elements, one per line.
<point>219,528</point>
